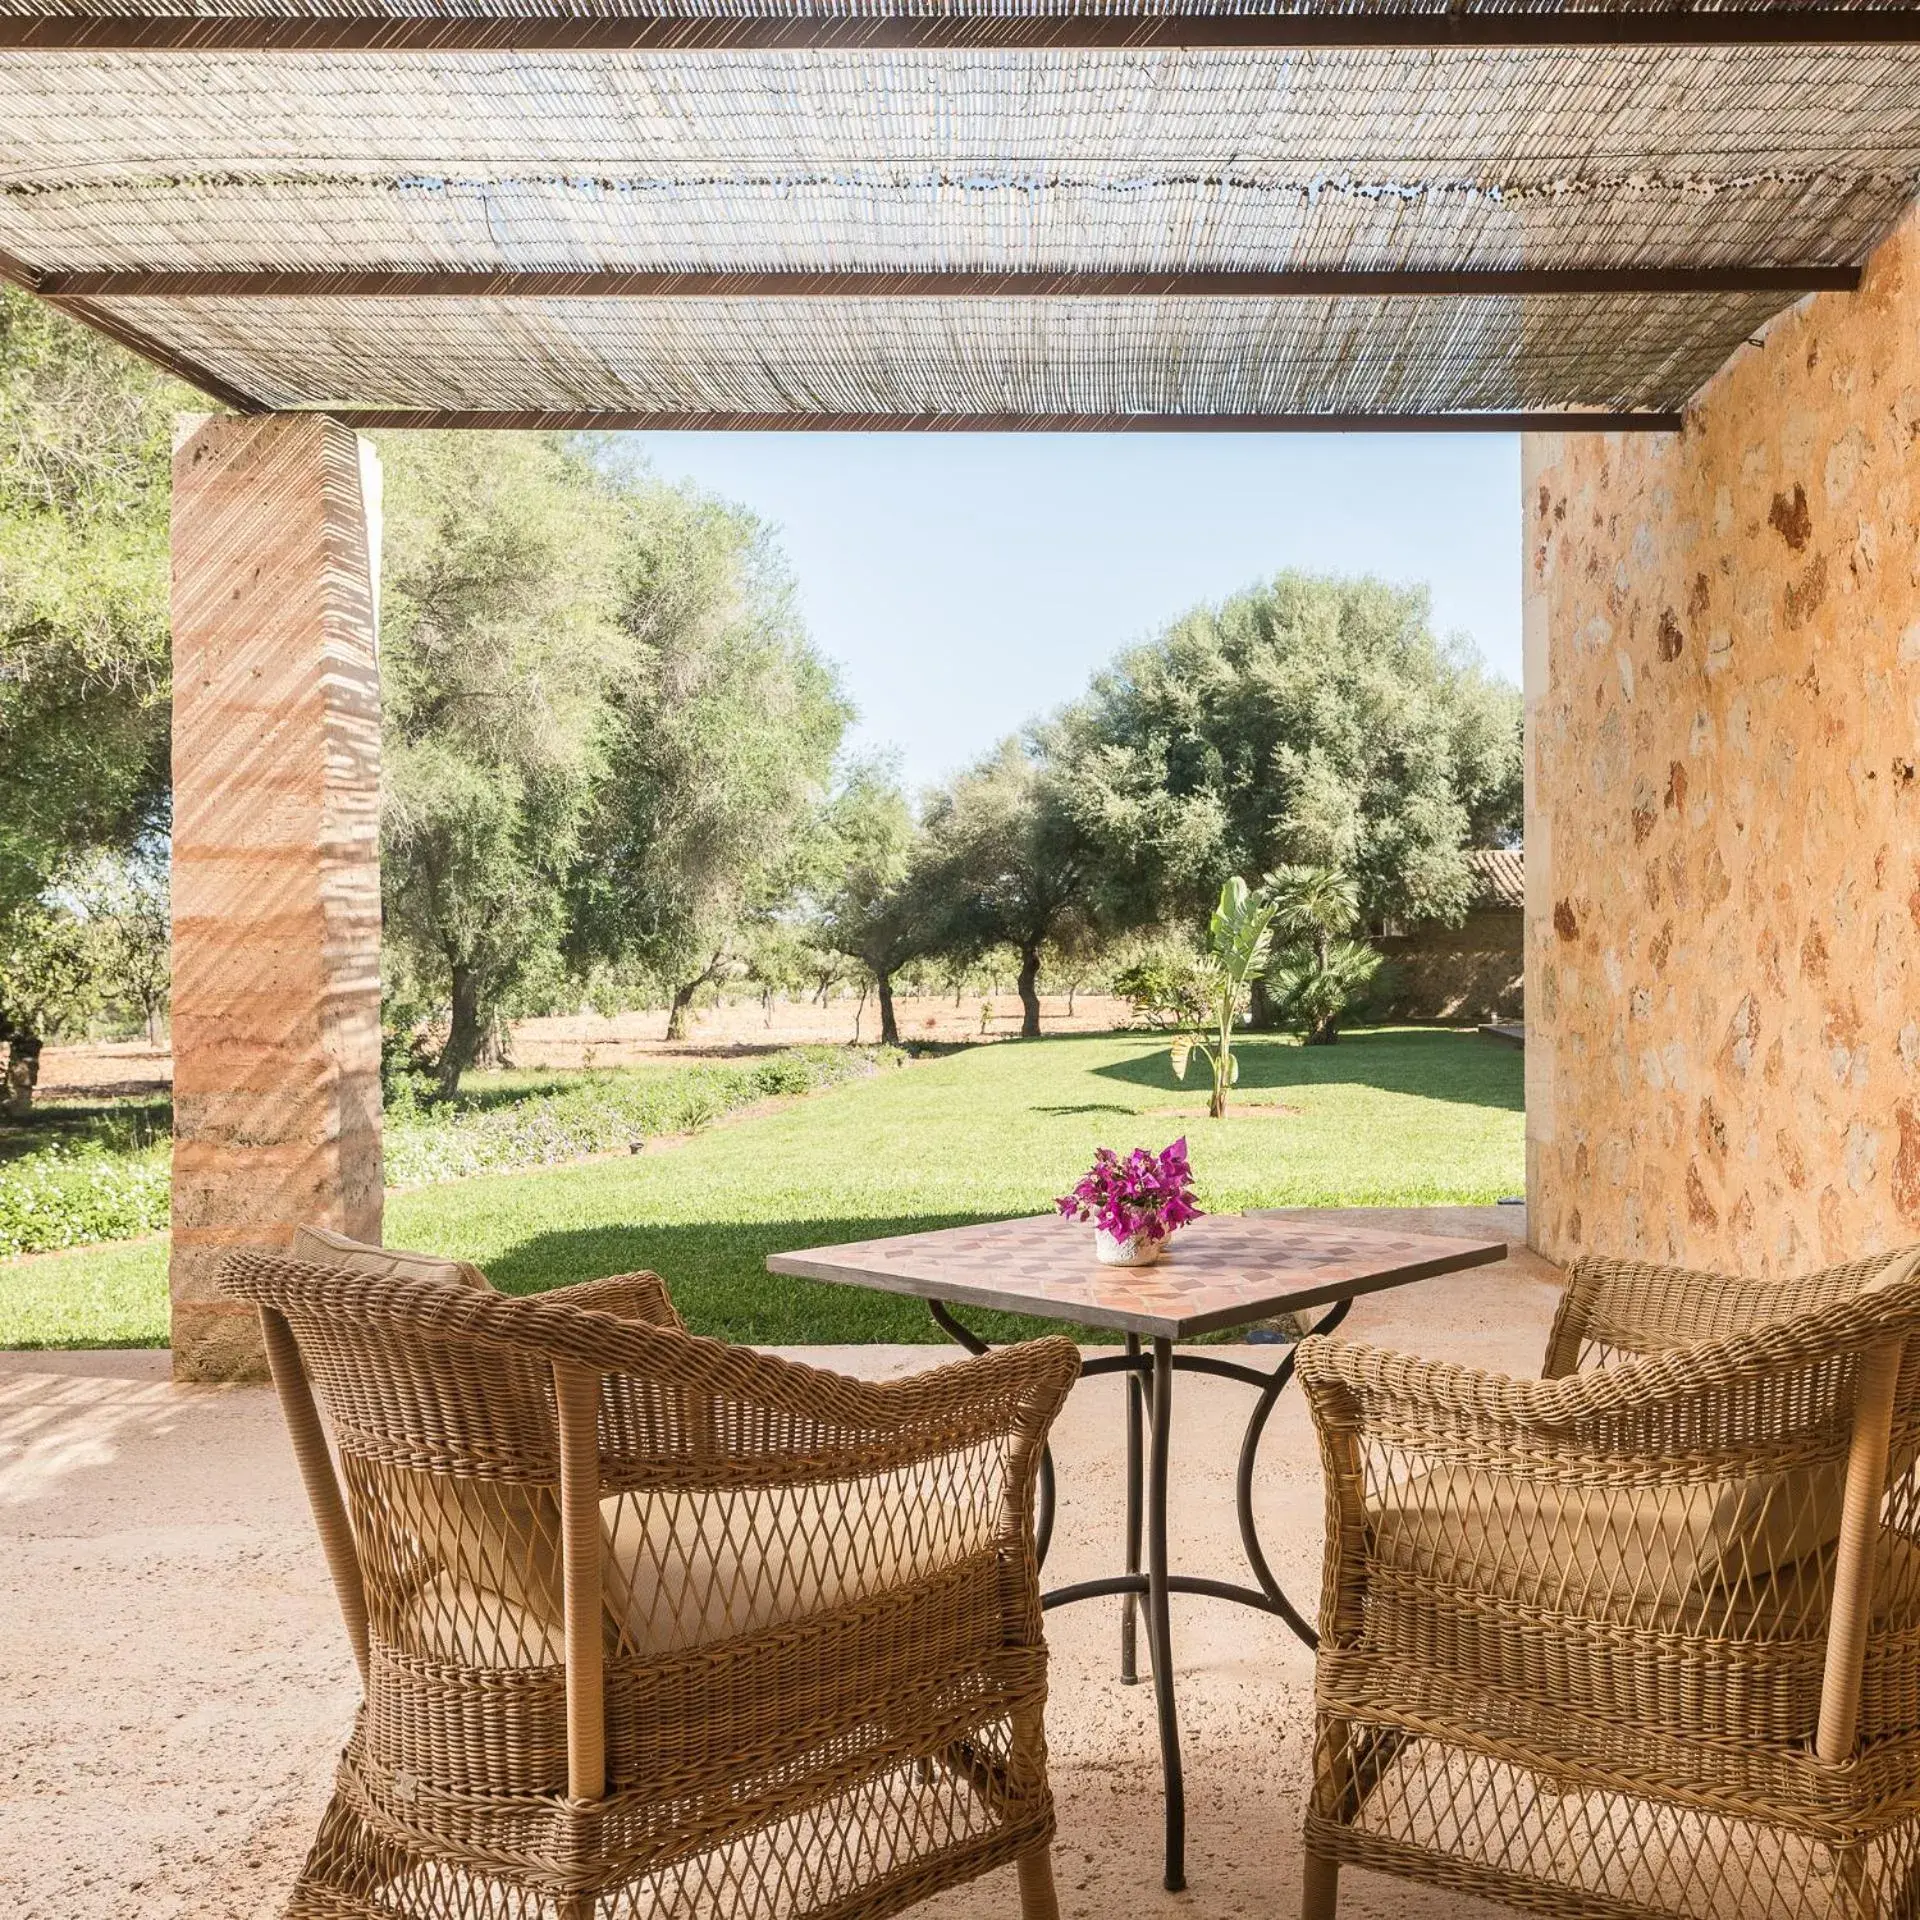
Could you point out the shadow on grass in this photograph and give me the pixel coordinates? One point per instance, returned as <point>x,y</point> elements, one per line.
<point>716,1272</point>
<point>1436,1063</point>
<point>120,1124</point>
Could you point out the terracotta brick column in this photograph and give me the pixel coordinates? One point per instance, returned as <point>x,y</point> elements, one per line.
<point>276,856</point>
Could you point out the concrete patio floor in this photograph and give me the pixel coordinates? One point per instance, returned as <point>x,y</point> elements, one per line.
<point>177,1683</point>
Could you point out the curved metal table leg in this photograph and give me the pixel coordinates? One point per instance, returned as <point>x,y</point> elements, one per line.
<point>1149,1434</point>
<point>1243,1482</point>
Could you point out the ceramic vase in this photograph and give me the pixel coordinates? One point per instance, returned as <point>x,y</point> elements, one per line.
<point>1137,1250</point>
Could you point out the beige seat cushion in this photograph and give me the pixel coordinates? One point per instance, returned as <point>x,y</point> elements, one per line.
<point>320,1247</point>
<point>1635,1556</point>
<point>693,1569</point>
<point>1644,1556</point>
<point>1648,1556</point>
<point>1652,1558</point>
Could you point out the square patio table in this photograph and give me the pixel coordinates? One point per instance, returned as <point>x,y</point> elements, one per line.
<point>1219,1272</point>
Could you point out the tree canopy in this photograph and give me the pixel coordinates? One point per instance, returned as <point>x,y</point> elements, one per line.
<point>721,741</point>
<point>498,652</point>
<point>1311,720</point>
<point>84,673</point>
<point>84,454</point>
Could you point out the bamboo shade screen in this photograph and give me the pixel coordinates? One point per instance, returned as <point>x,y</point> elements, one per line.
<point>944,160</point>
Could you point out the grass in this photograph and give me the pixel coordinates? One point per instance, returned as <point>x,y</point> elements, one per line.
<point>1398,1116</point>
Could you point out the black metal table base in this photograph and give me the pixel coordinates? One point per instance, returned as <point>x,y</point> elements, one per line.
<point>1149,1434</point>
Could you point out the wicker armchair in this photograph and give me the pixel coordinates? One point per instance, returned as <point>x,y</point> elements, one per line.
<point>652,1626</point>
<point>1641,1637</point>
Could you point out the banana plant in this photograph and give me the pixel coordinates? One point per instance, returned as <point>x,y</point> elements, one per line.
<point>1240,938</point>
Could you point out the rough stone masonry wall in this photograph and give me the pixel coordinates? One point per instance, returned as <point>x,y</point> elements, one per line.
<point>1723,822</point>
<point>1468,972</point>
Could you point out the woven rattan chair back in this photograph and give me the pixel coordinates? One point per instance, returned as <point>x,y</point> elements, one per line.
<point>1641,1637</point>
<point>651,1625</point>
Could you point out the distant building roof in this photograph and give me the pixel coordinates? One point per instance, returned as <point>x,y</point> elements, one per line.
<point>1503,877</point>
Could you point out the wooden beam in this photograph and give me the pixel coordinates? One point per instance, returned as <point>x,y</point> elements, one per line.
<point>560,421</point>
<point>1477,27</point>
<point>133,338</point>
<point>277,283</point>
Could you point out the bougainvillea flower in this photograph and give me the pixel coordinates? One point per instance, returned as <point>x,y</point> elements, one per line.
<point>1144,1196</point>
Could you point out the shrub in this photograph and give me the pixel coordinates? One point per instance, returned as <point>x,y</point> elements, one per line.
<point>1168,991</point>
<point>601,1113</point>
<point>65,1196</point>
<point>114,1184</point>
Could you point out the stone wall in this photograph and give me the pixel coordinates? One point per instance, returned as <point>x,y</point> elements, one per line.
<point>276,857</point>
<point>1722,633</point>
<point>1468,972</point>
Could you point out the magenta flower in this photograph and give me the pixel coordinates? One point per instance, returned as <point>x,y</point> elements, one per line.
<point>1146,1195</point>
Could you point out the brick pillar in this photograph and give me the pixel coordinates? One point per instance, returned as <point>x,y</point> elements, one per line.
<point>276,856</point>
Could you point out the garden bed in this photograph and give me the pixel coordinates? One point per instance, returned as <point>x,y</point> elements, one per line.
<point>102,1173</point>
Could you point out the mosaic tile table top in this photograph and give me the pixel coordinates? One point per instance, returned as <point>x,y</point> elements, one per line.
<point>1224,1270</point>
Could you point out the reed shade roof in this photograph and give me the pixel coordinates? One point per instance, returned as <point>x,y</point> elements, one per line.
<point>918,161</point>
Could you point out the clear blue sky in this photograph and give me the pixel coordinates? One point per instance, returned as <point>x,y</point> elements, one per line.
<point>966,583</point>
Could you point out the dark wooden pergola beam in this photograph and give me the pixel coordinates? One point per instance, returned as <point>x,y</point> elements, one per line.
<point>134,339</point>
<point>269,283</point>
<point>509,421</point>
<point>1650,26</point>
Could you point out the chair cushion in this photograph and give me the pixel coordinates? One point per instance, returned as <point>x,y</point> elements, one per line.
<point>1777,1520</point>
<point>684,1570</point>
<point>1622,1553</point>
<point>321,1247</point>
<point>1648,1558</point>
<point>486,1536</point>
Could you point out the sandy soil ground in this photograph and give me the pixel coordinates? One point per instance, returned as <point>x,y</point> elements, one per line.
<point>631,1039</point>
<point>587,1040</point>
<point>177,1683</point>
<point>102,1068</point>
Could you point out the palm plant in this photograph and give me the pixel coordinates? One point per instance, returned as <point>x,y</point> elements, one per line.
<point>1320,970</point>
<point>1240,938</point>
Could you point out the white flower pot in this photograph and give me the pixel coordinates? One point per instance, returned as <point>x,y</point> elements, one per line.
<point>1136,1251</point>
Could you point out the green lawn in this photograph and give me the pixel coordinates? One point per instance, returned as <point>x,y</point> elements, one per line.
<point>1401,1116</point>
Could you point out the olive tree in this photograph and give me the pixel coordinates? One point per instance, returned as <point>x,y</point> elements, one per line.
<point>499,645</point>
<point>719,747</point>
<point>84,681</point>
<point>1016,864</point>
<point>1310,720</point>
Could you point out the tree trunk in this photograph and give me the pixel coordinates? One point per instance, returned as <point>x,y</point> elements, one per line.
<point>463,1033</point>
<point>1325,1033</point>
<point>677,1013</point>
<point>1029,993</point>
<point>889,1027</point>
<point>859,1013</point>
<point>1260,1012</point>
<point>23,1074</point>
